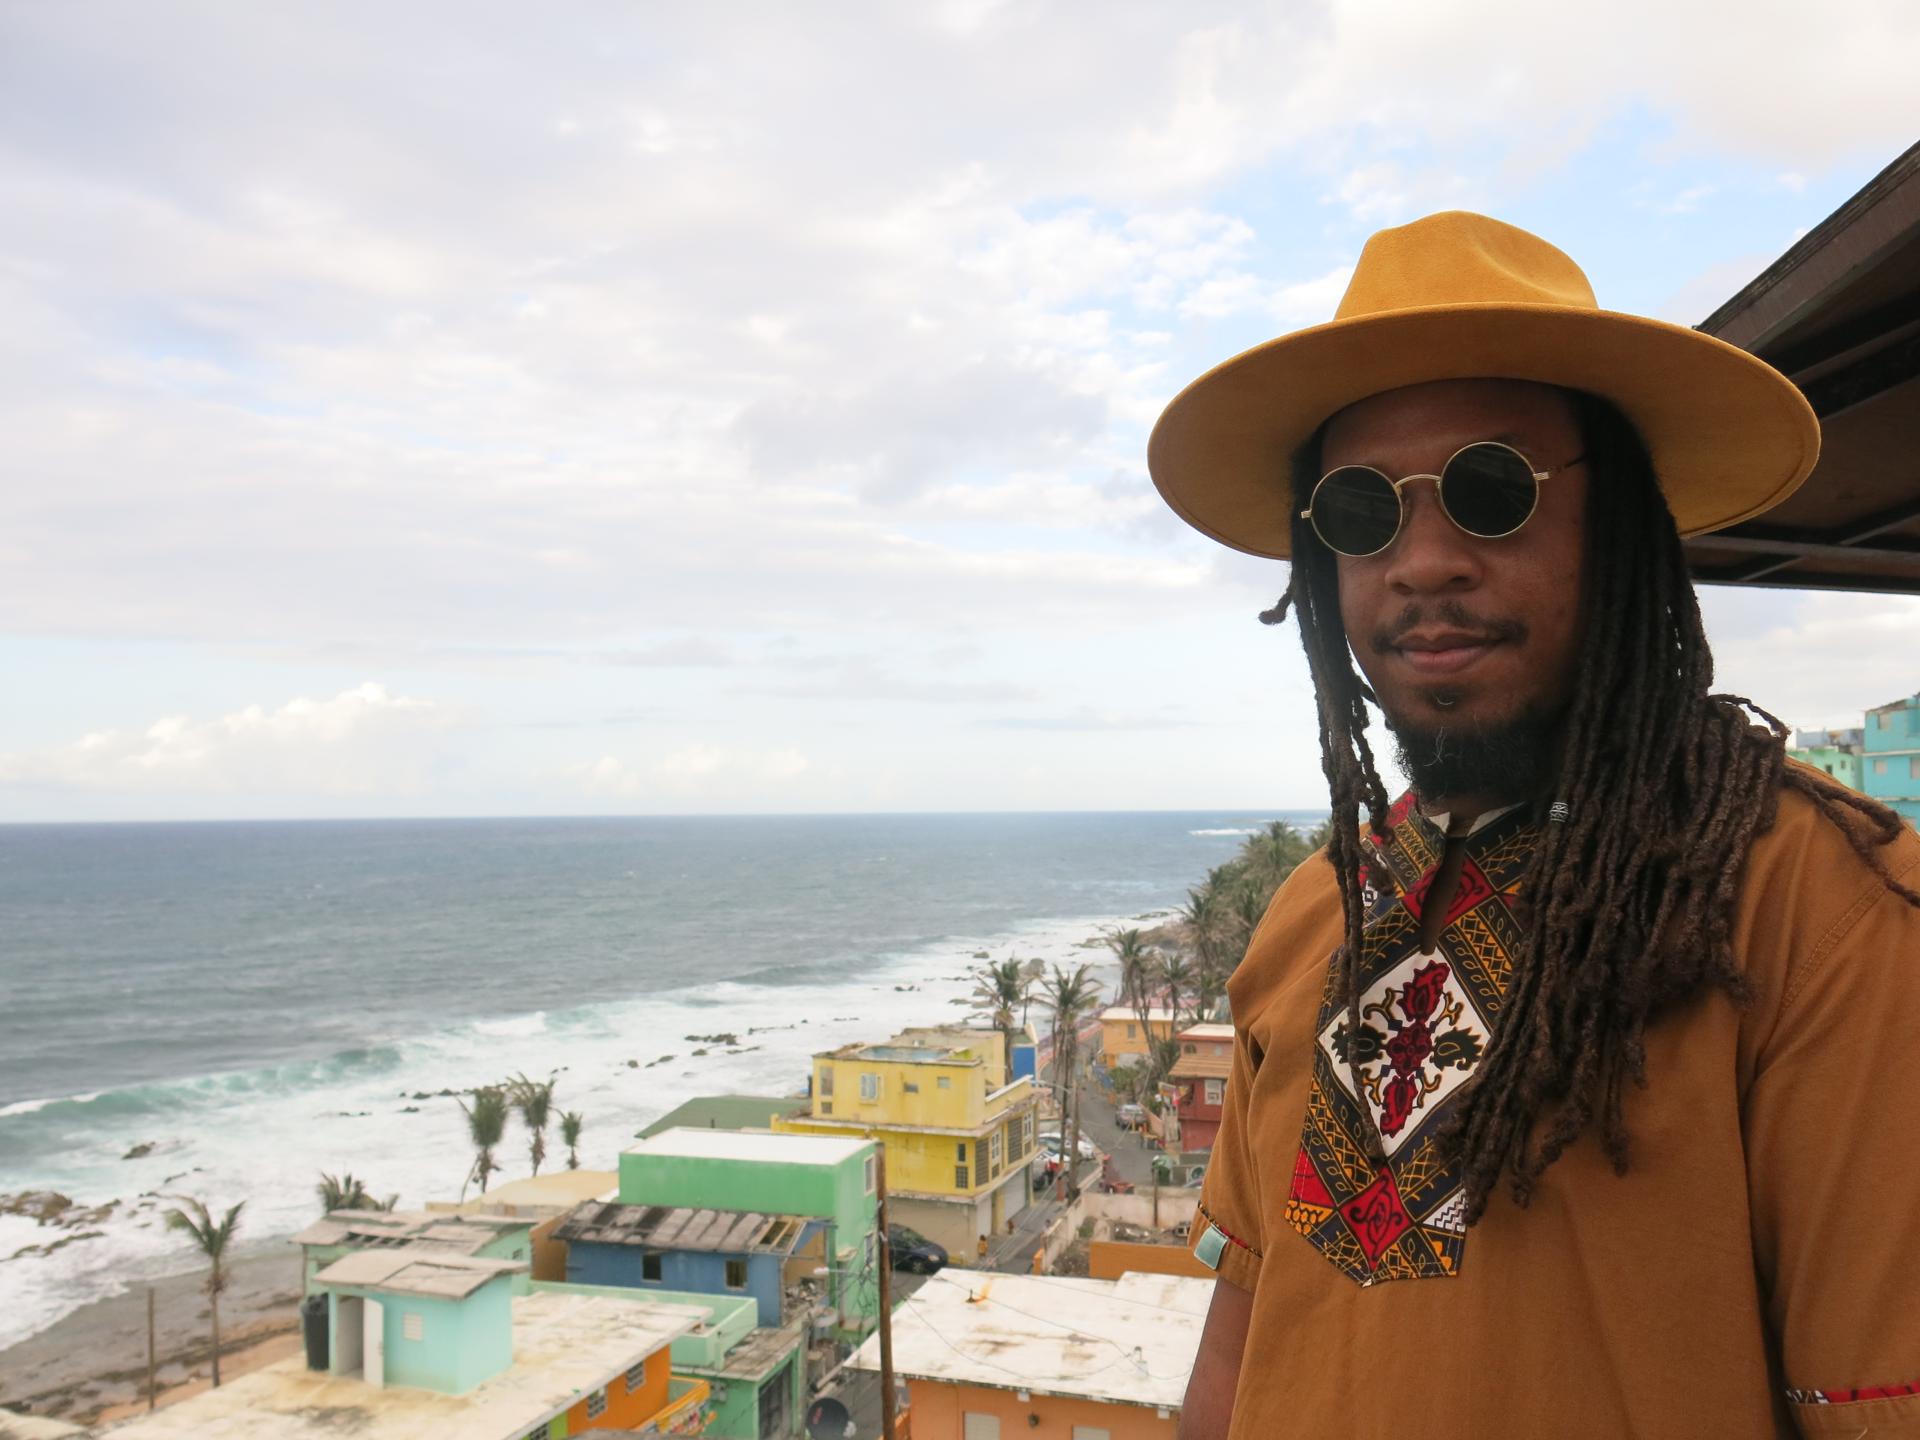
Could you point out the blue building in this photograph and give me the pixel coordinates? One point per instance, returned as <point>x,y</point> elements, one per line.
<point>702,1252</point>
<point>1890,763</point>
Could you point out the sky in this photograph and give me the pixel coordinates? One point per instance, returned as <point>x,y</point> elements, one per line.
<point>458,409</point>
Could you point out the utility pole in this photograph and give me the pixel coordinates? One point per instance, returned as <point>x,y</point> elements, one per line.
<point>885,1257</point>
<point>149,1349</point>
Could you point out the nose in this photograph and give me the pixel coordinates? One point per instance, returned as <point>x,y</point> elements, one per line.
<point>1431,555</point>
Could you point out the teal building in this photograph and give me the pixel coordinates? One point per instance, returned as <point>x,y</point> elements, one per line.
<point>1837,752</point>
<point>1890,759</point>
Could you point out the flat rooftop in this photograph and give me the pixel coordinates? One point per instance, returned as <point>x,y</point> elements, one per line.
<point>1129,1341</point>
<point>536,1196</point>
<point>1156,1013</point>
<point>663,1227</point>
<point>564,1347</point>
<point>1207,1030</point>
<point>725,1112</point>
<point>750,1145</point>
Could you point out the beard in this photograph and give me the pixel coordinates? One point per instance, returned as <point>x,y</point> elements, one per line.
<point>1509,760</point>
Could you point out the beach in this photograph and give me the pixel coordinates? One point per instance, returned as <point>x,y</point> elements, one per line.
<point>92,1364</point>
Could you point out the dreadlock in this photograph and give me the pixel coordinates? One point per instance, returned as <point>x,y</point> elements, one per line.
<point>1631,900</point>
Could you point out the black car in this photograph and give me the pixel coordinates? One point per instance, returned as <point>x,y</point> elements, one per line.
<point>911,1251</point>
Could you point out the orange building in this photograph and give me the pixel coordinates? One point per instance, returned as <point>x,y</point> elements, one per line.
<point>995,1357</point>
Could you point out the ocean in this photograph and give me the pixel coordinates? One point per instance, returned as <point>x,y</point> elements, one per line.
<point>228,1010</point>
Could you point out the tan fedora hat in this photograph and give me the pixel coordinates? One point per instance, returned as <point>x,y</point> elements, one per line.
<point>1457,296</point>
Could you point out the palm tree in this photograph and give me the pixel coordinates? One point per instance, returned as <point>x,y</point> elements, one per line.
<point>998,987</point>
<point>1177,975</point>
<point>1070,998</point>
<point>193,1217</point>
<point>348,1192</point>
<point>534,1100</point>
<point>570,1124</point>
<point>486,1123</point>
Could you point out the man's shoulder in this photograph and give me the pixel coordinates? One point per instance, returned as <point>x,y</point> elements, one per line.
<point>1299,932</point>
<point>1807,888</point>
<point>1804,841</point>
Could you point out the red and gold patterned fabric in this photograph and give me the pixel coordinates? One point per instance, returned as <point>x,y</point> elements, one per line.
<point>1426,1018</point>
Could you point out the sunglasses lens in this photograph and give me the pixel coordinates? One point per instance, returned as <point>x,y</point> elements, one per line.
<point>1489,490</point>
<point>1356,510</point>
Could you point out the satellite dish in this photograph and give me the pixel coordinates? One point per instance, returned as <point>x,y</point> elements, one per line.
<point>827,1419</point>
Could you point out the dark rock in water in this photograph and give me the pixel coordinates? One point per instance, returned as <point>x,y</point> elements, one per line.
<point>409,1109</point>
<point>698,1053</point>
<point>140,1151</point>
<point>981,955</point>
<point>633,1064</point>
<point>42,1206</point>
<point>724,1037</point>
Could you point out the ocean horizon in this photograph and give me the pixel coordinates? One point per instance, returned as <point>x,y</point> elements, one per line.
<point>231,1007</point>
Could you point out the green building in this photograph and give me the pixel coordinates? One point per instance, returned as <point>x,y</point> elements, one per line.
<point>831,1179</point>
<point>757,1377</point>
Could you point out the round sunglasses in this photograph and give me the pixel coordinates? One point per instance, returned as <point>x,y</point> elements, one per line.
<point>1488,489</point>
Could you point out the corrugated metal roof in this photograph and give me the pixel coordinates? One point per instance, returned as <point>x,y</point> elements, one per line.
<point>416,1272</point>
<point>660,1227</point>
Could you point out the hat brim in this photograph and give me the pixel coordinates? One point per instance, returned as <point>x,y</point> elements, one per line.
<point>1729,435</point>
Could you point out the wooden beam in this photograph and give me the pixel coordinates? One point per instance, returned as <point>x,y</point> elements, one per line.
<point>1848,335</point>
<point>1865,378</point>
<point>1817,580</point>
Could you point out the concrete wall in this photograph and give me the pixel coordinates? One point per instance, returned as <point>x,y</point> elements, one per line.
<point>1110,1259</point>
<point>939,1409</point>
<point>1177,1206</point>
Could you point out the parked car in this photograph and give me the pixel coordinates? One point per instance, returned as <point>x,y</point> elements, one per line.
<point>1055,1144</point>
<point>1131,1115</point>
<point>911,1251</point>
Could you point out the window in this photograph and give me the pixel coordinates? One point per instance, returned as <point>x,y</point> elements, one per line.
<point>993,1155</point>
<point>1092,1432</point>
<point>869,1085</point>
<point>979,1164</point>
<point>826,1107</point>
<point>960,1177</point>
<point>826,1079</point>
<point>979,1427</point>
<point>736,1274</point>
<point>1214,1089</point>
<point>413,1325</point>
<point>1132,1031</point>
<point>872,1174</point>
<point>597,1403</point>
<point>960,1152</point>
<point>1191,1048</point>
<point>945,1082</point>
<point>1913,767</point>
<point>650,1266</point>
<point>908,1087</point>
<point>636,1377</point>
<point>1879,767</point>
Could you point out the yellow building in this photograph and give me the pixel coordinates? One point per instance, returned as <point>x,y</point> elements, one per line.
<point>1123,1041</point>
<point>958,1131</point>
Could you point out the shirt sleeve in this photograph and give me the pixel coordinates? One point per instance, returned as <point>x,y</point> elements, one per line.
<point>1227,1234</point>
<point>1834,1170</point>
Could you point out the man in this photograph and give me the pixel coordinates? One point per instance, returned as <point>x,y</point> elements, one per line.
<point>1573,1092</point>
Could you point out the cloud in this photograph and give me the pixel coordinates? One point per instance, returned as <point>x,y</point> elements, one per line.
<point>1814,659</point>
<point>363,741</point>
<point>696,772</point>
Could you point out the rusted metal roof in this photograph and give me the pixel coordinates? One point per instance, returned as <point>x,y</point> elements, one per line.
<point>1839,313</point>
<point>661,1227</point>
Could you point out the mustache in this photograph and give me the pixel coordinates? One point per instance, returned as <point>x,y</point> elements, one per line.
<point>1450,613</point>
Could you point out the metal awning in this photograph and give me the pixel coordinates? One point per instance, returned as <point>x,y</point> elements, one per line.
<point>1839,313</point>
